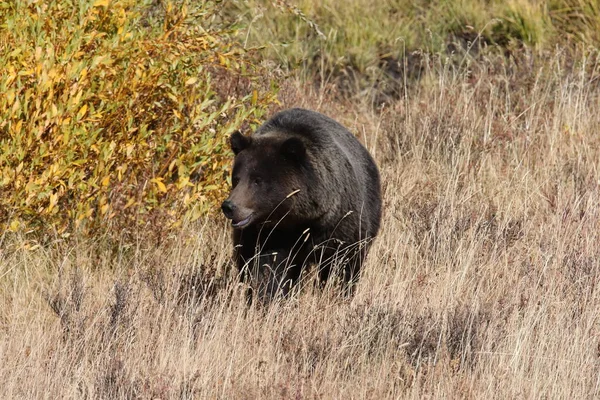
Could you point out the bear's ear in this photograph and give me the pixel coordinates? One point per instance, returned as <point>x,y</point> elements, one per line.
<point>239,142</point>
<point>294,149</point>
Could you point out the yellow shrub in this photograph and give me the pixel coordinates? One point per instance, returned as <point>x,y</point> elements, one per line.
<point>116,114</point>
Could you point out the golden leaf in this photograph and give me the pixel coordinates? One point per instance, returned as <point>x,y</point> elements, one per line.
<point>10,95</point>
<point>101,3</point>
<point>18,126</point>
<point>14,225</point>
<point>161,186</point>
<point>77,98</point>
<point>53,201</point>
<point>82,111</point>
<point>191,81</point>
<point>224,62</point>
<point>183,182</point>
<point>10,79</point>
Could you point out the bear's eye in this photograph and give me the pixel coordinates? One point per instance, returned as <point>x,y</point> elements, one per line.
<point>257,181</point>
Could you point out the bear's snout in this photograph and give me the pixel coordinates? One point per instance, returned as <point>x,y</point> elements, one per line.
<point>227,207</point>
<point>239,216</point>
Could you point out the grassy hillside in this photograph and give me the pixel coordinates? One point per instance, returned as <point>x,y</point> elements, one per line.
<point>358,32</point>
<point>361,45</point>
<point>483,282</point>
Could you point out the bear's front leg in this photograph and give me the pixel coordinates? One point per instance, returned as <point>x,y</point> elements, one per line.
<point>273,273</point>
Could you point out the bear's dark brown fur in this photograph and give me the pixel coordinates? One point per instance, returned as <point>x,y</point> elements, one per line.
<point>305,191</point>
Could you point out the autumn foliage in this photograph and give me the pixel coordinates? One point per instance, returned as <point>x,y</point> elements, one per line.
<point>115,114</point>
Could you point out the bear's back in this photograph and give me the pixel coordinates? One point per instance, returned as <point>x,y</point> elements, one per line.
<point>333,145</point>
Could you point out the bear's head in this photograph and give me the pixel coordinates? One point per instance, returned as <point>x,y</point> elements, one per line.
<point>267,174</point>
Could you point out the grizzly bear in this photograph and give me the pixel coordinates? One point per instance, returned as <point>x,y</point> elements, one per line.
<point>304,192</point>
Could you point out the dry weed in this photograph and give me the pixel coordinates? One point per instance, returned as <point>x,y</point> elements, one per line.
<point>482,283</point>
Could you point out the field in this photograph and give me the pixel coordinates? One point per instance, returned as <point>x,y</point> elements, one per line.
<point>481,284</point>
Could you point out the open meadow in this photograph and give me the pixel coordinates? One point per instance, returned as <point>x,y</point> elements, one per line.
<point>483,282</point>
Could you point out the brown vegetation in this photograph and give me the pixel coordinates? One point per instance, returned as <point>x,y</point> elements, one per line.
<point>482,283</point>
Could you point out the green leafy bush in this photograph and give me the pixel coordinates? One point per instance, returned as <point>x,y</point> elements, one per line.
<point>116,114</point>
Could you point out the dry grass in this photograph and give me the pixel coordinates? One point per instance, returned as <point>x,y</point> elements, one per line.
<point>482,284</point>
